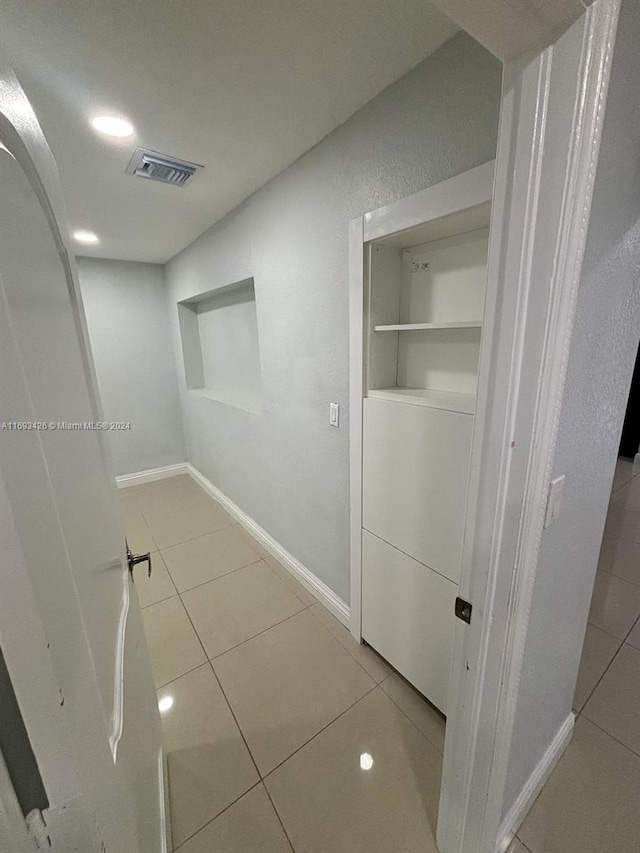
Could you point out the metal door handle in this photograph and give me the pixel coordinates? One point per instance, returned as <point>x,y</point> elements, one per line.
<point>136,559</point>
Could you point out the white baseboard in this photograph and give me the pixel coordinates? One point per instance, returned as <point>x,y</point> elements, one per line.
<point>534,784</point>
<point>151,474</point>
<point>326,596</point>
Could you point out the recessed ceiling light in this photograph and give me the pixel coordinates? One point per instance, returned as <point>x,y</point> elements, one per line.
<point>112,126</point>
<point>87,238</point>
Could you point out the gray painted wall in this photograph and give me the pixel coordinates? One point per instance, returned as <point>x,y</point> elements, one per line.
<point>602,354</point>
<point>126,310</point>
<point>286,467</point>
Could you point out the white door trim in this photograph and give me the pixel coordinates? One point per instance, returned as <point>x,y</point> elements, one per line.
<point>522,380</point>
<point>356,393</point>
<point>600,23</point>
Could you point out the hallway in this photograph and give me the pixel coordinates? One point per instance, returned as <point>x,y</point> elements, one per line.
<point>283,734</point>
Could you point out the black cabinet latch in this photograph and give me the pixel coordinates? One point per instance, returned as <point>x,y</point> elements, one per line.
<point>463,610</point>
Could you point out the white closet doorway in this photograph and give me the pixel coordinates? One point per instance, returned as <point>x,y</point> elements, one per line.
<point>421,333</point>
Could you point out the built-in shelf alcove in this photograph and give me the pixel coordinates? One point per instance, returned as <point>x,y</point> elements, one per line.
<point>220,345</point>
<point>426,301</point>
<point>417,316</point>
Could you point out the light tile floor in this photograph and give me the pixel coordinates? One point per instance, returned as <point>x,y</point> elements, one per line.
<point>591,803</point>
<point>285,735</point>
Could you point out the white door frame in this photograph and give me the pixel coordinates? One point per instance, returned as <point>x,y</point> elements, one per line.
<point>545,171</point>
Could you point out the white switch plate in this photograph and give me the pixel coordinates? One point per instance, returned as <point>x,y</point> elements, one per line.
<point>554,500</point>
<point>334,414</point>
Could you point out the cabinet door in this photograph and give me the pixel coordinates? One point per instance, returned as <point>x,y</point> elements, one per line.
<point>415,473</point>
<point>408,617</point>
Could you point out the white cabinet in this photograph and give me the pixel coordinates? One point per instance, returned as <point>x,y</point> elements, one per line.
<point>407,610</point>
<point>422,305</point>
<point>414,478</point>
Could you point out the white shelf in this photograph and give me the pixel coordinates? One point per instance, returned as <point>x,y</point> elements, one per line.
<point>448,400</point>
<point>411,327</point>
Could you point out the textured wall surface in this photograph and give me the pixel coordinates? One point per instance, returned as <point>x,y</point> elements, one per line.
<point>126,309</point>
<point>602,355</point>
<point>286,467</point>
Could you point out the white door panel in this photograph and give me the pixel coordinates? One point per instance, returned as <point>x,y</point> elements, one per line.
<point>64,504</point>
<point>415,470</point>
<point>408,616</point>
<point>38,299</point>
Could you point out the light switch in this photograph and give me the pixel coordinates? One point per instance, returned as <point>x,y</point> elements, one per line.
<point>554,499</point>
<point>334,414</point>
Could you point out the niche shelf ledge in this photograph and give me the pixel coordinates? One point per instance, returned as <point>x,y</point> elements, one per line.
<point>412,327</point>
<point>448,400</point>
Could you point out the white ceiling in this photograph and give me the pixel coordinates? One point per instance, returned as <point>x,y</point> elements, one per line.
<point>510,29</point>
<point>241,86</point>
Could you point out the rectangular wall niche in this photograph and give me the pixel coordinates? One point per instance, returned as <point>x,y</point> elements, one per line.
<point>219,334</point>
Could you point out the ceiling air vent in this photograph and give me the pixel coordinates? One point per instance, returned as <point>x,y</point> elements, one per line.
<point>160,167</point>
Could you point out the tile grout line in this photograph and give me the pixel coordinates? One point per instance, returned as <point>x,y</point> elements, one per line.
<point>264,630</point>
<point>192,538</point>
<point>353,657</point>
<point>211,580</point>
<point>580,713</point>
<point>378,683</point>
<point>319,732</point>
<point>253,563</point>
<point>259,634</point>
<point>180,509</point>
<point>404,713</point>
<point>226,808</point>
<point>606,670</point>
<point>235,720</point>
<point>613,636</point>
<point>197,586</point>
<point>209,661</point>
<point>619,577</point>
<point>231,711</point>
<point>182,674</point>
<point>173,512</point>
<point>622,642</point>
<point>242,735</point>
<point>273,806</point>
<point>232,524</point>
<point>615,489</point>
